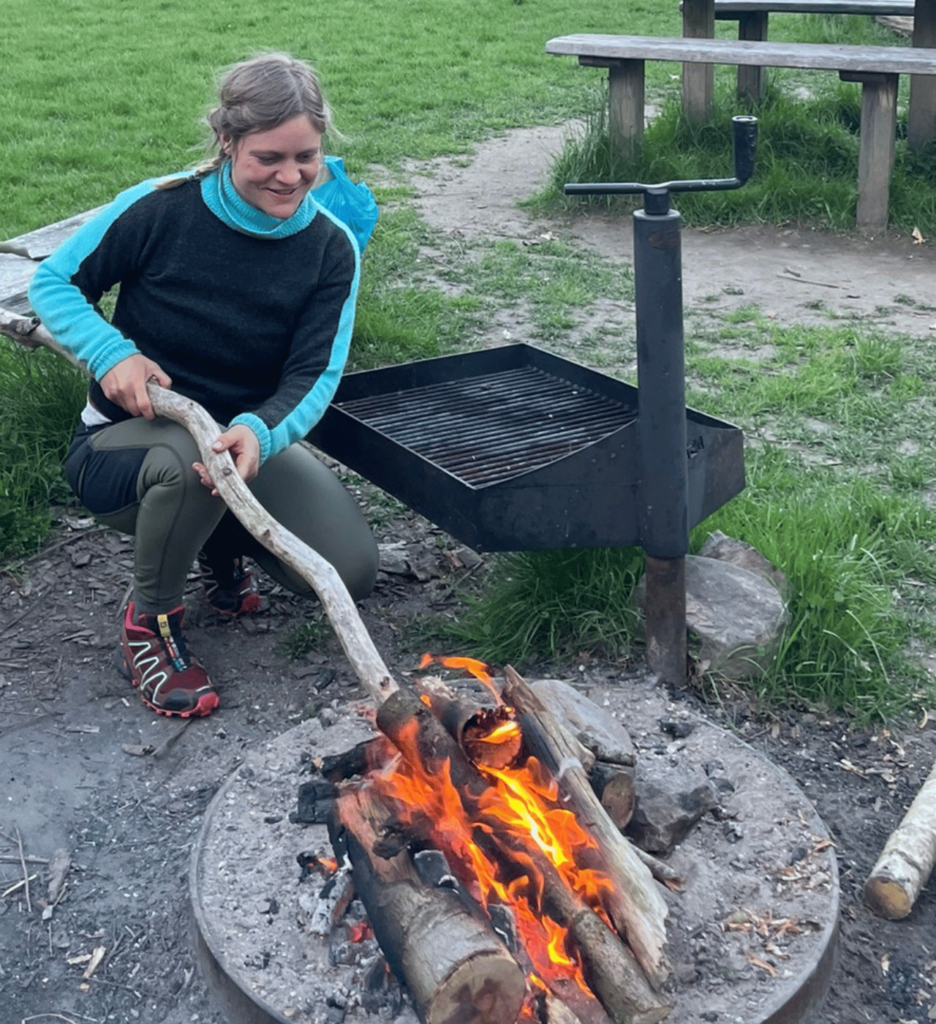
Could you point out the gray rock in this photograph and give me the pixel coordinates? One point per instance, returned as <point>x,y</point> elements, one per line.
<point>729,549</point>
<point>733,607</point>
<point>591,725</point>
<point>669,803</point>
<point>738,616</point>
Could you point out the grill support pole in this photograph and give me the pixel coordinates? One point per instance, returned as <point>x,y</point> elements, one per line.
<point>664,477</point>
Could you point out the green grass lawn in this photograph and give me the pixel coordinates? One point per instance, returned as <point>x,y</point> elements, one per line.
<point>96,96</point>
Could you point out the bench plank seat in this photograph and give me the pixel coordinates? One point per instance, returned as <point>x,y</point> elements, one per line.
<point>23,253</point>
<point>728,10</point>
<point>877,68</point>
<point>816,56</point>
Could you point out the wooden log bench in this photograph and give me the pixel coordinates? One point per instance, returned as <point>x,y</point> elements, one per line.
<point>20,256</point>
<point>752,17</point>
<point>877,68</point>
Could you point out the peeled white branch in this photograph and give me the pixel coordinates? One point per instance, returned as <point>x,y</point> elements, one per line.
<point>309,564</point>
<point>907,859</point>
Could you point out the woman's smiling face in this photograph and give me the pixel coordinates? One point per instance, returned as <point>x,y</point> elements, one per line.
<point>273,170</point>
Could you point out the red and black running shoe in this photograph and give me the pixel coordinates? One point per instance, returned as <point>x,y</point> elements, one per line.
<point>232,591</point>
<point>154,657</point>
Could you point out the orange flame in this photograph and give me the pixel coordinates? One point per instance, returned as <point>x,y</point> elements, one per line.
<point>519,813</point>
<point>500,734</point>
<point>479,669</point>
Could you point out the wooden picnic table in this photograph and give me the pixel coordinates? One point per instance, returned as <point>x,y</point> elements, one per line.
<point>876,68</point>
<point>699,23</point>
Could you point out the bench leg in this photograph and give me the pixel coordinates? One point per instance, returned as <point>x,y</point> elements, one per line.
<point>876,153</point>
<point>626,106</point>
<point>921,119</point>
<point>625,101</point>
<point>752,26</point>
<point>698,80</point>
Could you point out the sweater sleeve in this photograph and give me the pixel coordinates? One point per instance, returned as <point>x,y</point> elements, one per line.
<point>67,285</point>
<point>318,352</point>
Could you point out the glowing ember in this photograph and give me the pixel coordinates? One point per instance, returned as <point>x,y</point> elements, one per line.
<point>360,931</point>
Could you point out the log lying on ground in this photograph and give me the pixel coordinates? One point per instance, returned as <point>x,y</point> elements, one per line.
<point>453,965</point>
<point>907,859</point>
<point>638,909</point>
<point>309,564</point>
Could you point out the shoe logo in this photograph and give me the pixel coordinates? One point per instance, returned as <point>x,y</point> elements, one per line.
<point>148,666</point>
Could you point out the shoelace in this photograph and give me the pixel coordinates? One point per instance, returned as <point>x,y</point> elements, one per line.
<point>168,630</point>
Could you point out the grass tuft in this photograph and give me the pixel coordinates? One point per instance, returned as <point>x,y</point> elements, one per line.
<point>555,604</point>
<point>41,397</point>
<point>806,168</point>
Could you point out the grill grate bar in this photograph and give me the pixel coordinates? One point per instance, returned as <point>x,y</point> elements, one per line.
<point>440,436</point>
<point>495,426</point>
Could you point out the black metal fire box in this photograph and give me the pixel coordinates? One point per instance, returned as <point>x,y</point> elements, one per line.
<point>514,449</point>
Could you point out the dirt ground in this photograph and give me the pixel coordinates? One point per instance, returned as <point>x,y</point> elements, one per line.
<point>87,769</point>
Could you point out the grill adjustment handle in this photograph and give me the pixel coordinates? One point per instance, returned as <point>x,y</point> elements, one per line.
<point>744,134</point>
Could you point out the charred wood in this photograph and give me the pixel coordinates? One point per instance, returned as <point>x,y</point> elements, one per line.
<point>333,901</point>
<point>314,802</point>
<point>615,788</point>
<point>454,967</point>
<point>358,761</point>
<point>422,740</point>
<point>609,967</point>
<point>487,734</point>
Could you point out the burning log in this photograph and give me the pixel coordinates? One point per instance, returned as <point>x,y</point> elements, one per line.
<point>359,760</point>
<point>488,735</point>
<point>608,966</point>
<point>637,908</point>
<point>455,968</point>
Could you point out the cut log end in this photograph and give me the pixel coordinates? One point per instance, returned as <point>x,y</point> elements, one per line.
<point>488,989</point>
<point>888,897</point>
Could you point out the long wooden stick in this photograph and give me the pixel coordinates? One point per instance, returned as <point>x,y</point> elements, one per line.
<point>309,564</point>
<point>637,907</point>
<point>907,859</point>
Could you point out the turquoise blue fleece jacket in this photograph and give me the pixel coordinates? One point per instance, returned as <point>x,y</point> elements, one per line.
<point>249,315</point>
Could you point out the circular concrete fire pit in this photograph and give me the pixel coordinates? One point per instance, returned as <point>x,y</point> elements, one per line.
<point>751,938</point>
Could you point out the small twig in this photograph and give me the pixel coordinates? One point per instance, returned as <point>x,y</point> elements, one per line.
<point>169,740</point>
<point>661,871</point>
<point>78,535</point>
<point>115,984</point>
<point>803,280</point>
<point>29,611</point>
<point>22,856</point>
<point>19,885</point>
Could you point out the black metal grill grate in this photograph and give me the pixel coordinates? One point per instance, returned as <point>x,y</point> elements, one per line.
<point>489,428</point>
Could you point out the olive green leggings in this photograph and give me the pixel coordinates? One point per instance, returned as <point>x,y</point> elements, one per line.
<point>136,476</point>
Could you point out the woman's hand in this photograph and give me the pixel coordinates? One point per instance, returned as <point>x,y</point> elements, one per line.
<point>125,384</point>
<point>244,447</point>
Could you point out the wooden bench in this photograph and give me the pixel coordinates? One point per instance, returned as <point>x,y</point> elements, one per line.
<point>877,68</point>
<point>752,17</point>
<point>20,256</point>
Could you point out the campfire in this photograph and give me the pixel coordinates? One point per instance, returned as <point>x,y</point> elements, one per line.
<point>494,881</point>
